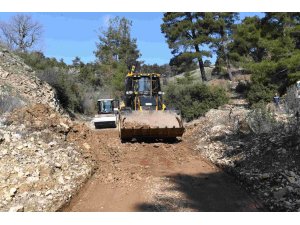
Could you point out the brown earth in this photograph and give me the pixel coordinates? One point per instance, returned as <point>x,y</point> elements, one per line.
<point>143,176</point>
<point>148,119</point>
<point>140,176</point>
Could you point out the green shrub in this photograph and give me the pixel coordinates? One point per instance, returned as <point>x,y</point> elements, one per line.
<point>261,119</point>
<point>260,93</point>
<point>194,100</point>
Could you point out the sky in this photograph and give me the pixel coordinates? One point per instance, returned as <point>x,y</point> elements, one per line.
<point>67,35</point>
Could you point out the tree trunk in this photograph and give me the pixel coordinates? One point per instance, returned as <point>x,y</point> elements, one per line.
<point>224,50</point>
<point>201,64</point>
<point>228,67</point>
<point>202,70</point>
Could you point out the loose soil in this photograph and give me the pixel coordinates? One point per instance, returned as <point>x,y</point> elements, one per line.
<point>145,176</point>
<point>146,119</point>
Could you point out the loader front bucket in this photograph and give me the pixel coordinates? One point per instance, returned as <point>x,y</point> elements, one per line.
<point>150,124</point>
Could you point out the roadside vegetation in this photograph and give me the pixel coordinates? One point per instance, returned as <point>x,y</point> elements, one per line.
<point>266,48</point>
<point>194,100</point>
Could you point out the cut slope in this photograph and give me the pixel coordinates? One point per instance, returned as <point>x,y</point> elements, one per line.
<point>18,79</point>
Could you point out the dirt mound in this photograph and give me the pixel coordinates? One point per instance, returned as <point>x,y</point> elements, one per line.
<point>39,117</point>
<point>156,119</point>
<point>40,170</point>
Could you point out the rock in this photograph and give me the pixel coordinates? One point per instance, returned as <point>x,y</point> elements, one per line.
<point>18,208</point>
<point>49,192</point>
<point>52,143</point>
<point>8,198</point>
<point>58,165</point>
<point>156,145</point>
<point>32,179</point>
<point>110,177</point>
<point>290,189</point>
<point>291,180</point>
<point>281,193</point>
<point>293,174</point>
<point>20,174</point>
<point>265,176</point>
<point>61,180</point>
<point>13,191</point>
<point>4,151</point>
<point>6,137</point>
<point>138,177</point>
<point>2,139</point>
<point>65,126</point>
<point>16,136</point>
<point>50,197</point>
<point>86,146</point>
<point>287,204</point>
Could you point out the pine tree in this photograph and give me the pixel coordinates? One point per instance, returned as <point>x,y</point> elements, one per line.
<point>115,43</point>
<point>223,26</point>
<point>269,49</point>
<point>186,34</point>
<point>116,53</point>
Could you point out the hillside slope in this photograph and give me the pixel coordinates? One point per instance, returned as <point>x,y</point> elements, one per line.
<point>18,81</point>
<point>40,170</point>
<point>266,163</point>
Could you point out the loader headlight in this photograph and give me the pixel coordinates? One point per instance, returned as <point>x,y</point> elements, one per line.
<point>129,92</point>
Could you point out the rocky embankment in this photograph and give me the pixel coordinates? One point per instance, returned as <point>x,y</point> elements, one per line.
<point>266,164</point>
<point>20,86</point>
<point>39,169</point>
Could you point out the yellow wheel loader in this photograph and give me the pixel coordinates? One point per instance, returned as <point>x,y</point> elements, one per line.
<point>143,113</point>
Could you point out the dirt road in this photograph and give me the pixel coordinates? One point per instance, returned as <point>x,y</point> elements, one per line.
<point>154,177</point>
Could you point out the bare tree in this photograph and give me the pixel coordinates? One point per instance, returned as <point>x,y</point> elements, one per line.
<point>21,32</point>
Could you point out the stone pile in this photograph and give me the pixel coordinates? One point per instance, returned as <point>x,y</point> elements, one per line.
<point>268,164</point>
<point>39,169</point>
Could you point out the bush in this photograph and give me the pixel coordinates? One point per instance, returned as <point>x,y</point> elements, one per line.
<point>259,93</point>
<point>194,100</point>
<point>261,119</point>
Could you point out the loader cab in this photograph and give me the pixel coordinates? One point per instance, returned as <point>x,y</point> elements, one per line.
<point>142,84</point>
<point>108,106</point>
<point>143,91</point>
